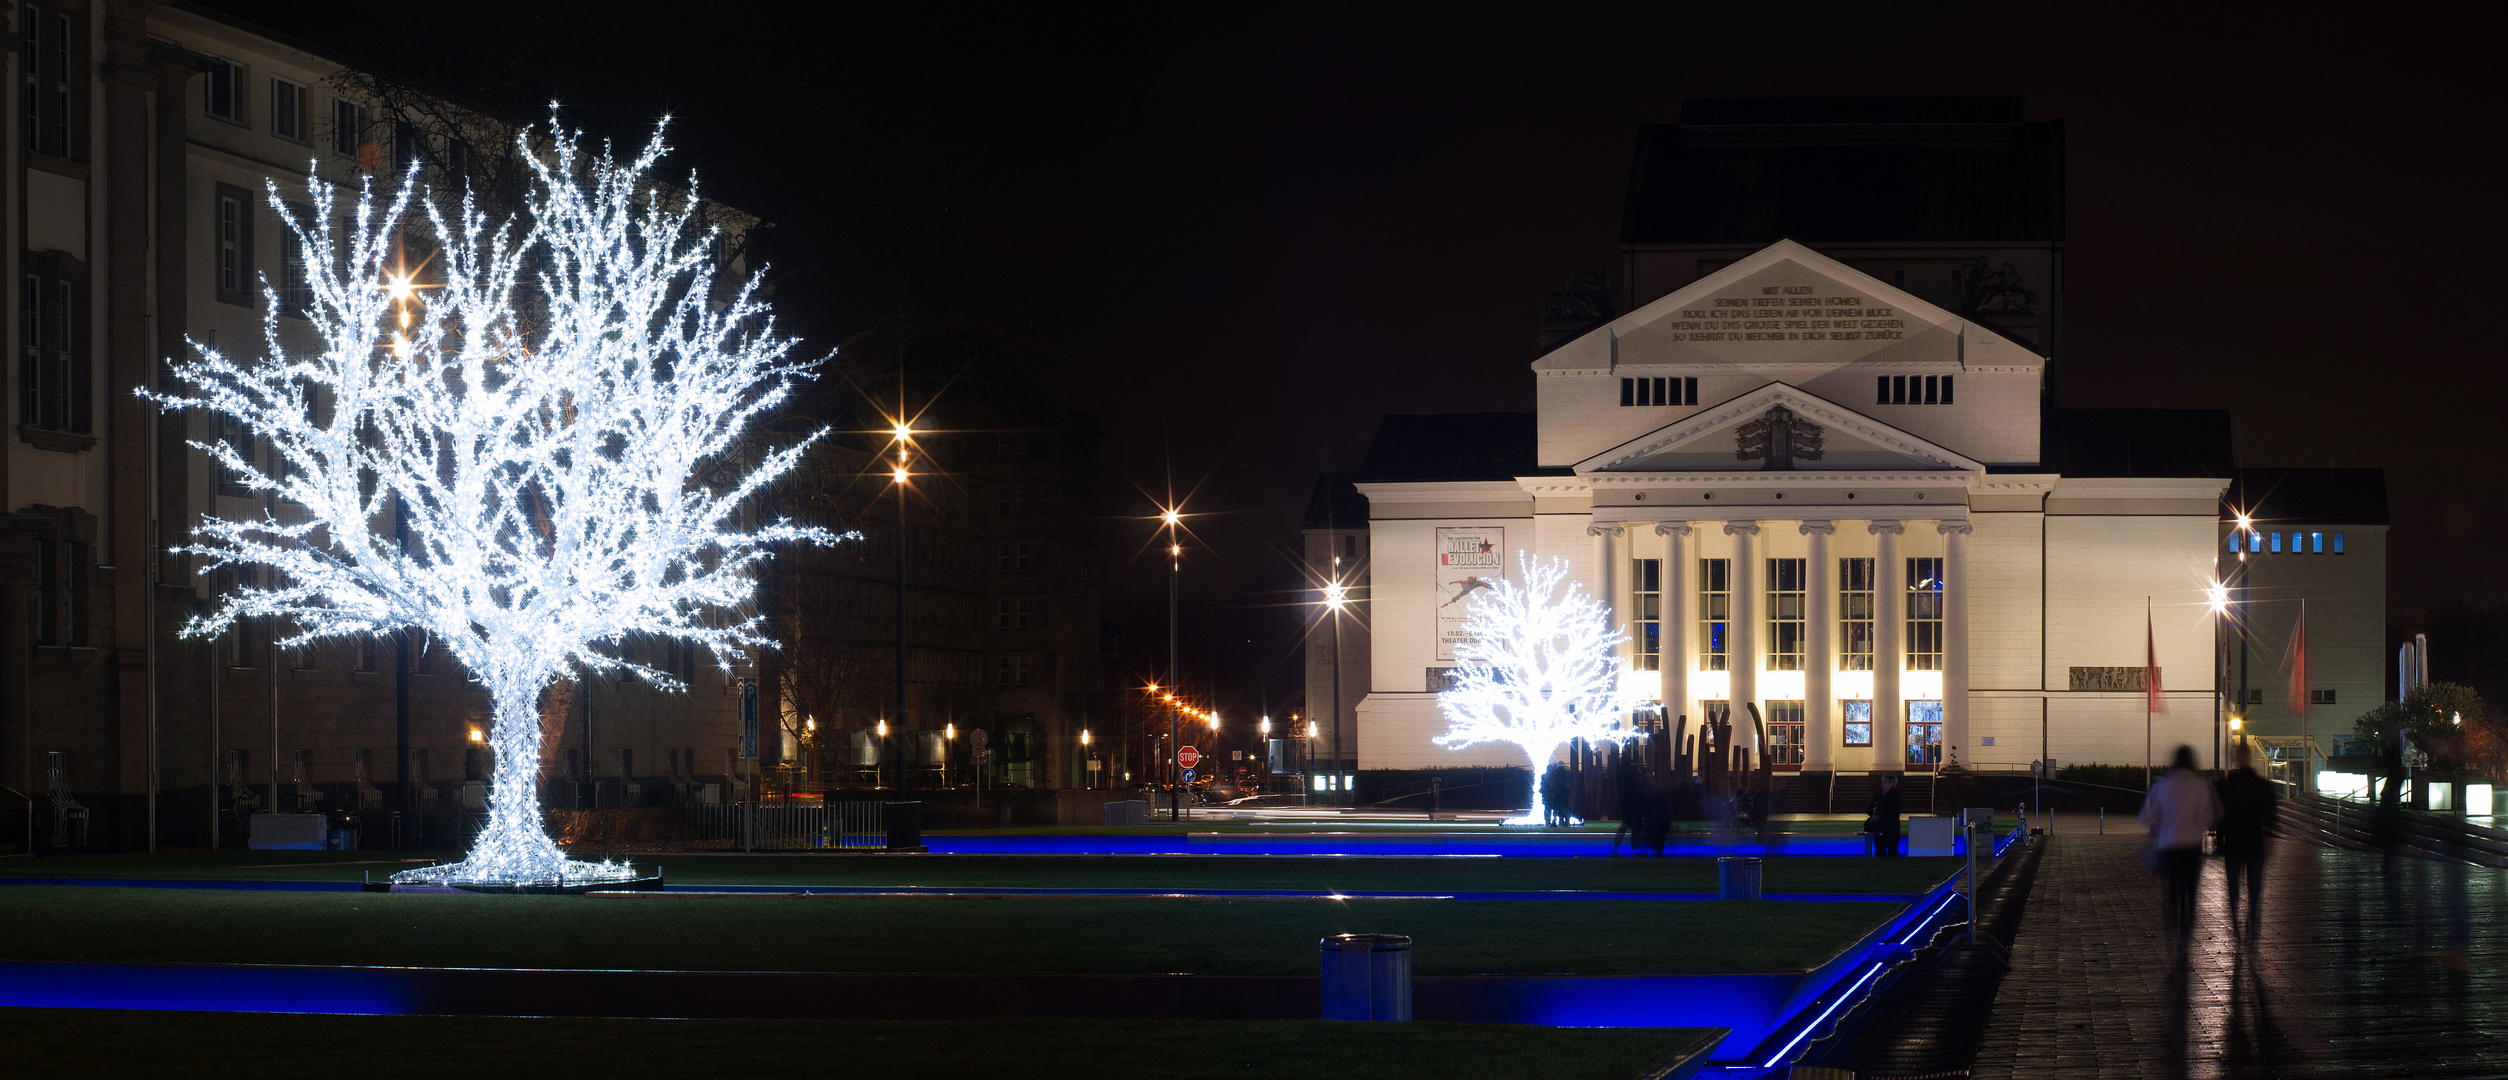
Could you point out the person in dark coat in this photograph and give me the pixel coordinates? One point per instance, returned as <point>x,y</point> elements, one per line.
<point>1887,803</point>
<point>1554,794</point>
<point>2246,812</point>
<point>1631,786</point>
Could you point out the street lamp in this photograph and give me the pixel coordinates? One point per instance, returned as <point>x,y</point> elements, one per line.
<point>1173,519</point>
<point>903,433</point>
<point>880,769</point>
<point>1336,596</point>
<point>1087,777</point>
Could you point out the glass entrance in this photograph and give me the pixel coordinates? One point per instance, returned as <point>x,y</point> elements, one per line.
<point>1785,734</point>
<point>1924,735</point>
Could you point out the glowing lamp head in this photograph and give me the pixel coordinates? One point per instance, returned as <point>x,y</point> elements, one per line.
<point>949,731</point>
<point>1310,729</point>
<point>1171,518</point>
<point>1175,550</point>
<point>899,474</point>
<point>401,289</point>
<point>477,735</point>
<point>809,724</point>
<point>883,729</point>
<point>2235,724</point>
<point>1336,594</point>
<point>1084,736</point>
<point>2216,597</point>
<point>903,431</point>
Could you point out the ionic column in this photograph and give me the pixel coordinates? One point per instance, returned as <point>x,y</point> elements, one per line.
<point>1955,634</point>
<point>1607,560</point>
<point>1819,623</point>
<point>1741,630</point>
<point>1889,627</point>
<point>1677,619</point>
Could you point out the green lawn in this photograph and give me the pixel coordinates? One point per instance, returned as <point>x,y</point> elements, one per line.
<point>65,1042</point>
<point>1016,935</point>
<point>1810,874</point>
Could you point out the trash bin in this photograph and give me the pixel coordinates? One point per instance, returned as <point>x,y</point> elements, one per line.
<point>1737,878</point>
<point>1367,977</point>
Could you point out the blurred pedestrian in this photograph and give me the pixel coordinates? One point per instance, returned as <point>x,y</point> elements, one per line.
<point>1554,794</point>
<point>2178,811</point>
<point>2246,811</point>
<point>1630,784</point>
<point>1883,824</point>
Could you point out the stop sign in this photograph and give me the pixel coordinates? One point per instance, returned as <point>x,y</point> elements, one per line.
<point>1188,757</point>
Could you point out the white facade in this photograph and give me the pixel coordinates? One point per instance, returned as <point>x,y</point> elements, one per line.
<point>1784,432</point>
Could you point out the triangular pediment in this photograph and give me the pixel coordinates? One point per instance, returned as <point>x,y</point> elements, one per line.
<point>1787,305</point>
<point>1778,428</point>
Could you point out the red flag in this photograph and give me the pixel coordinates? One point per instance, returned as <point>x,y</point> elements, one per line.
<point>2151,666</point>
<point>2295,658</point>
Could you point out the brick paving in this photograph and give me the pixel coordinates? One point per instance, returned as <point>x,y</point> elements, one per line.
<point>2366,967</point>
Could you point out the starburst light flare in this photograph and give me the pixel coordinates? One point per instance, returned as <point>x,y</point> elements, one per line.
<point>1535,669</point>
<point>558,433</point>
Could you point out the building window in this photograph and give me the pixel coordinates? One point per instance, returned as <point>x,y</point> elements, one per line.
<point>2334,541</point>
<point>1914,390</point>
<point>1858,723</point>
<point>1924,733</point>
<point>295,282</point>
<point>1011,672</point>
<point>1785,733</point>
<point>226,90</point>
<point>1854,614</point>
<point>1714,599</point>
<point>1785,613</point>
<point>1645,605</point>
<point>2320,697</point>
<point>1013,558</point>
<point>409,146</point>
<point>1014,614</point>
<point>53,371</point>
<point>287,110</point>
<point>1664,391</point>
<point>235,245</point>
<point>348,127</point>
<point>31,27</point>
<point>1012,500</point>
<point>1924,614</point>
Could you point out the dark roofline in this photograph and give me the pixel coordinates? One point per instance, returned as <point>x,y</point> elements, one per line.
<point>2284,496</point>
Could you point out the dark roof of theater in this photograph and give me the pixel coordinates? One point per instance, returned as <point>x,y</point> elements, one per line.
<point>2139,443</point>
<point>2307,496</point>
<point>1334,503</point>
<point>1452,446</point>
<point>1756,170</point>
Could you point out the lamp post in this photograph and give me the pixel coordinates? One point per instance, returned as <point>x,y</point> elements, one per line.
<point>904,433</point>
<point>1263,747</point>
<point>1174,520</point>
<point>1336,596</point>
<point>949,742</point>
<point>1087,778</point>
<point>879,772</point>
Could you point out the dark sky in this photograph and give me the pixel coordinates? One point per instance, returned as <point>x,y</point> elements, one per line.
<point>1240,236</point>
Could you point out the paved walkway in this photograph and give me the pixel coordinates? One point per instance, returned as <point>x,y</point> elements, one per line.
<point>2366,967</point>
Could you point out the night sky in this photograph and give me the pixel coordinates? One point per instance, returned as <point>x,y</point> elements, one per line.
<point>1239,238</point>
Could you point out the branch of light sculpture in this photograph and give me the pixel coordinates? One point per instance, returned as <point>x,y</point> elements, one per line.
<point>536,416</point>
<point>1535,670</point>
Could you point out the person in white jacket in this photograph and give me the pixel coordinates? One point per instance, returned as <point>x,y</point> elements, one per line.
<point>2178,810</point>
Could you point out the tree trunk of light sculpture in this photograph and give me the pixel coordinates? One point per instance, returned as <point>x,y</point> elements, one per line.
<point>1535,670</point>
<point>556,412</point>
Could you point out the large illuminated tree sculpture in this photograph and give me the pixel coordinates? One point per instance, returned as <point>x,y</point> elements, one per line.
<point>1535,669</point>
<point>553,418</point>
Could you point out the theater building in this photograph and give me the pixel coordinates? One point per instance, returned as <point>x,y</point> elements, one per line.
<point>1798,486</point>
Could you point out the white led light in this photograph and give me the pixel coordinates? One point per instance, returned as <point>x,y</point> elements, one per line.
<point>540,431</point>
<point>1535,670</point>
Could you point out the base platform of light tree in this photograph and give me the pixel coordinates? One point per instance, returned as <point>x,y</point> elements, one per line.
<point>566,878</point>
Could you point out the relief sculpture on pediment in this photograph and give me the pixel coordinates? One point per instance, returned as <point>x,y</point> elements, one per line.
<point>1777,438</point>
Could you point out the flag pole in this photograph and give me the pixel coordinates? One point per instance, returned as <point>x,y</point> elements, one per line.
<point>2150,651</point>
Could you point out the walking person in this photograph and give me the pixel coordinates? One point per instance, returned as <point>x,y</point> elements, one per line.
<point>1887,803</point>
<point>2246,811</point>
<point>1631,786</point>
<point>2177,811</point>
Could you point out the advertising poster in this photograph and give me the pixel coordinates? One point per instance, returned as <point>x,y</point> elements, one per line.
<point>1469,559</point>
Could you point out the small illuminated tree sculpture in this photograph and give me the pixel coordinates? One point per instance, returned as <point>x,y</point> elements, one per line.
<point>1535,670</point>
<point>553,420</point>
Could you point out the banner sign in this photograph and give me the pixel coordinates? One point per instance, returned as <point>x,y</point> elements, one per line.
<point>1470,559</point>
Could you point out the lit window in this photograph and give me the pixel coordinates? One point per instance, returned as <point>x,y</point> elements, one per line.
<point>1924,614</point>
<point>1924,733</point>
<point>1714,594</point>
<point>1858,723</point>
<point>226,90</point>
<point>2276,542</point>
<point>2316,543</point>
<point>1786,602</point>
<point>1854,614</point>
<point>1646,606</point>
<point>1785,733</point>
<point>2338,543</point>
